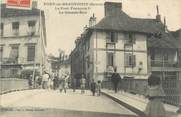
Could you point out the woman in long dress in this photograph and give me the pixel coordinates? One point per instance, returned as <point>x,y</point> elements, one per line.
<point>155,93</point>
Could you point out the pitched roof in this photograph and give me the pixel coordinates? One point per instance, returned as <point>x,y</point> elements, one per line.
<point>123,22</point>
<point>10,12</point>
<point>177,35</point>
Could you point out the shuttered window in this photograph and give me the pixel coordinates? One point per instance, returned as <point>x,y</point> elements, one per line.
<point>2,29</point>
<point>110,59</point>
<point>13,56</point>
<point>130,60</point>
<point>15,25</point>
<point>111,37</point>
<point>31,53</point>
<point>31,23</point>
<point>130,38</point>
<point>1,54</point>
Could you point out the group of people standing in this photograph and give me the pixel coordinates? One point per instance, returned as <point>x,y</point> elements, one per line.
<point>47,81</point>
<point>94,87</point>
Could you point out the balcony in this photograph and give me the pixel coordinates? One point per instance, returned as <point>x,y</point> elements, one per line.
<point>15,32</point>
<point>159,65</point>
<point>9,61</point>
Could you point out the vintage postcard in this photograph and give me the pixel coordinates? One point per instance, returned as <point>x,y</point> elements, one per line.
<point>90,58</point>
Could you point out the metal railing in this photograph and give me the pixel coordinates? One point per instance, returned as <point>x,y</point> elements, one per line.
<point>172,88</point>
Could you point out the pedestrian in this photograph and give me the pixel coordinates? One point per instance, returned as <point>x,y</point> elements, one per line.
<point>74,83</point>
<point>36,81</point>
<point>82,81</point>
<point>93,87</point>
<point>55,82</point>
<point>98,88</point>
<point>45,80</point>
<point>115,79</point>
<point>65,83</point>
<point>60,84</point>
<point>30,81</point>
<point>50,83</point>
<point>39,82</point>
<point>155,94</point>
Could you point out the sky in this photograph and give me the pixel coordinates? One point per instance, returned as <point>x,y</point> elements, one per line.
<point>63,29</point>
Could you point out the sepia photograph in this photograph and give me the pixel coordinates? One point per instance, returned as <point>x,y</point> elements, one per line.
<point>90,58</point>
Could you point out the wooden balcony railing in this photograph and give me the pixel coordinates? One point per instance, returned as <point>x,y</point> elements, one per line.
<point>159,63</point>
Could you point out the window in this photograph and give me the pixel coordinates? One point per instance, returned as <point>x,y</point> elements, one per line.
<point>15,27</point>
<point>1,54</point>
<point>130,60</point>
<point>130,38</point>
<point>112,37</point>
<point>88,44</point>
<point>31,25</point>
<point>165,56</point>
<point>88,61</point>
<point>2,29</point>
<point>13,57</point>
<point>110,59</point>
<point>14,72</point>
<point>31,53</point>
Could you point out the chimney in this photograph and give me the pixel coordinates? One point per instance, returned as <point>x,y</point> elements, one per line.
<point>165,24</point>
<point>112,8</point>
<point>92,21</point>
<point>158,17</point>
<point>34,4</point>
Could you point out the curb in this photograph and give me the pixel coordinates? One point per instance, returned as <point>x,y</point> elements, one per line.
<point>133,109</point>
<point>14,90</point>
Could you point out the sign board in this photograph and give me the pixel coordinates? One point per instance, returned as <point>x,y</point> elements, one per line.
<point>19,3</point>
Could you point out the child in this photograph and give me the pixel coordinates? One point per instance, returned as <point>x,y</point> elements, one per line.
<point>93,87</point>
<point>98,88</point>
<point>155,107</point>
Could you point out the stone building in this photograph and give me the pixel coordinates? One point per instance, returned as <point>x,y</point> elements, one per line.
<point>136,47</point>
<point>23,40</point>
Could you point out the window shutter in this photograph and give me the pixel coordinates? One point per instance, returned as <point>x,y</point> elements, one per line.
<point>133,60</point>
<point>134,38</point>
<point>110,59</point>
<point>126,38</point>
<point>116,37</point>
<point>14,53</point>
<point>108,36</point>
<point>31,53</point>
<point>1,54</point>
<point>126,60</point>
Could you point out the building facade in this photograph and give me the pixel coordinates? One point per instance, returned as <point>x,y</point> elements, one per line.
<point>23,41</point>
<point>136,47</point>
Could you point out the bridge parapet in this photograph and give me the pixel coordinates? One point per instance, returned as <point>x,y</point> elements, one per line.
<point>12,84</point>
